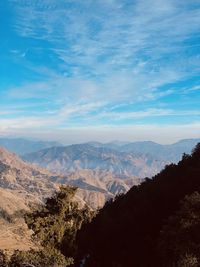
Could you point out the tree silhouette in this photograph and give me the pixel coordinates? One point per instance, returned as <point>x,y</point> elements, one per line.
<point>126,232</point>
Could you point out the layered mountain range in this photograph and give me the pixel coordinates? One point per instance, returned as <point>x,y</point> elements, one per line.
<point>122,161</point>
<point>100,171</point>
<point>22,146</point>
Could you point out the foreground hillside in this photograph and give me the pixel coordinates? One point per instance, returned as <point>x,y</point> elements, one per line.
<point>32,183</point>
<point>22,186</point>
<point>149,226</point>
<point>155,224</point>
<point>27,181</point>
<point>14,233</point>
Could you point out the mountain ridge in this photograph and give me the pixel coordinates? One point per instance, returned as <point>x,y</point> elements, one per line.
<point>138,159</point>
<point>22,146</point>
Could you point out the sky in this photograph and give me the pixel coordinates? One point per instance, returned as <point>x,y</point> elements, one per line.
<point>100,70</point>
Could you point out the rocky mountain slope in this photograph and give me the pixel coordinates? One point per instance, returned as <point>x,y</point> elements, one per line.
<point>29,180</point>
<point>33,184</point>
<point>23,186</point>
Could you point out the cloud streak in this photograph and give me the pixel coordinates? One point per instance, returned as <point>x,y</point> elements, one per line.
<point>88,57</point>
<point>105,37</point>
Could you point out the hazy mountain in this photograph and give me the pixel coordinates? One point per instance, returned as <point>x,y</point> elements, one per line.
<point>170,152</point>
<point>121,160</point>
<point>23,146</point>
<point>121,165</point>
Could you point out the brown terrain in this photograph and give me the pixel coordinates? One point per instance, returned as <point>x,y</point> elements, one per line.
<point>99,171</point>
<point>24,185</point>
<point>21,186</point>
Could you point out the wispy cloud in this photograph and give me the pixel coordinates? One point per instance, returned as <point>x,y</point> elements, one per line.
<point>193,88</point>
<point>89,57</point>
<point>108,36</point>
<point>149,113</point>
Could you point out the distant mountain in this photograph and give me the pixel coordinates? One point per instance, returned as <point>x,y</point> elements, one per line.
<point>172,152</point>
<point>162,153</point>
<point>121,165</point>
<point>22,146</point>
<point>122,160</point>
<point>104,170</point>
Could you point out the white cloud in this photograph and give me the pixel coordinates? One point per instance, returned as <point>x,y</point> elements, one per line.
<point>119,87</point>
<point>110,53</point>
<point>149,113</point>
<point>194,88</point>
<point>110,49</point>
<point>86,115</point>
<point>106,36</point>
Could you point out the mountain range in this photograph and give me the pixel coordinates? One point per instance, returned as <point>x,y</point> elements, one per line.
<point>122,161</point>
<point>100,171</point>
<point>22,146</point>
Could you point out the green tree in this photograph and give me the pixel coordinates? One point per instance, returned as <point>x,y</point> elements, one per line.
<point>56,224</point>
<point>38,258</point>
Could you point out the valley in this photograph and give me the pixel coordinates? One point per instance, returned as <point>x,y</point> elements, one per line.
<point>99,171</point>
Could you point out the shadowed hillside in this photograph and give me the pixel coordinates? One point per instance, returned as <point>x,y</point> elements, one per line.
<point>127,232</point>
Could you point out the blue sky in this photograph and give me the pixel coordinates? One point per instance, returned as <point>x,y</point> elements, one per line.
<point>76,70</point>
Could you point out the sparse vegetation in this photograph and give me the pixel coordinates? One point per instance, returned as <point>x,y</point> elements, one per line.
<point>5,215</point>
